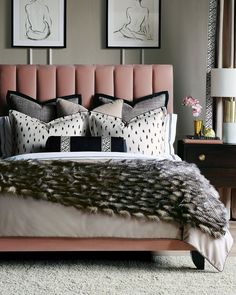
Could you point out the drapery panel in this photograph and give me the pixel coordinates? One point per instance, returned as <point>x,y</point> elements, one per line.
<point>225,58</point>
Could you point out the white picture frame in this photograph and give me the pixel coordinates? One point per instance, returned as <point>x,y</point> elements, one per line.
<point>39,23</point>
<point>133,23</point>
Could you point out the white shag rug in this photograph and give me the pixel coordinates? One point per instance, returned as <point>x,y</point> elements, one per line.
<point>111,275</point>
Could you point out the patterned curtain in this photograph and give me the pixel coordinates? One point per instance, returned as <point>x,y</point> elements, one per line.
<point>225,58</point>
<point>211,57</point>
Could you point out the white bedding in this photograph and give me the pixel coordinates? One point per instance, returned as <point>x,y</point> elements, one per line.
<point>38,218</point>
<point>92,156</point>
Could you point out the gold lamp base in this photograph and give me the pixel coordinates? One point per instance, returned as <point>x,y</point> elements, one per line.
<point>229,111</point>
<point>229,121</point>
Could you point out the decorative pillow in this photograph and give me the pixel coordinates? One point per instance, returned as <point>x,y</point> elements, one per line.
<point>30,135</point>
<point>170,133</point>
<point>113,108</point>
<point>66,108</point>
<point>143,134</point>
<point>136,107</point>
<point>43,111</point>
<point>5,137</point>
<point>85,143</point>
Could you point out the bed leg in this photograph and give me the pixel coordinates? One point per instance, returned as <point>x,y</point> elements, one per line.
<point>198,260</point>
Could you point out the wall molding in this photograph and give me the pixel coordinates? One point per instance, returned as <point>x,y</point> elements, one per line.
<point>30,56</point>
<point>49,51</point>
<point>142,56</point>
<point>122,56</point>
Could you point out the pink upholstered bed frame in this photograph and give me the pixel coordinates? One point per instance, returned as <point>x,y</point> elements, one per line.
<point>124,81</point>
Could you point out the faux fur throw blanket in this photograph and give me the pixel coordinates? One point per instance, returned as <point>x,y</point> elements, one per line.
<point>151,189</point>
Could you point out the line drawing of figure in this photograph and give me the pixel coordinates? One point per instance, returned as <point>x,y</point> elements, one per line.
<point>137,25</point>
<point>38,22</point>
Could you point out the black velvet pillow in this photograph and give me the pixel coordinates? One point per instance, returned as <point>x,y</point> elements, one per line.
<point>43,111</point>
<point>85,143</point>
<point>136,107</point>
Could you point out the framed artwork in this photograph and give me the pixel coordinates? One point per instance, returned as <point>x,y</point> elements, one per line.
<point>39,23</point>
<point>133,23</point>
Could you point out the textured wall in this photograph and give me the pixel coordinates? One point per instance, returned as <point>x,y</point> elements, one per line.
<point>183,44</point>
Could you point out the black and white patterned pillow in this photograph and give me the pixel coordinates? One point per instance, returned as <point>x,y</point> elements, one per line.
<point>5,137</point>
<point>44,111</point>
<point>144,134</point>
<point>85,143</point>
<point>30,134</point>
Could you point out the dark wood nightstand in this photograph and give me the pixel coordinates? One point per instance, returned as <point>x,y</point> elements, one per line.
<point>217,162</point>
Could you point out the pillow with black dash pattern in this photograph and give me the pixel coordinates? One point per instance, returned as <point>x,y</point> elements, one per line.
<point>136,107</point>
<point>44,111</point>
<point>85,143</point>
<point>30,134</point>
<point>144,134</point>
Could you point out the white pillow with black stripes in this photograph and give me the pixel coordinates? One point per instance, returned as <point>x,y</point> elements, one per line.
<point>170,133</point>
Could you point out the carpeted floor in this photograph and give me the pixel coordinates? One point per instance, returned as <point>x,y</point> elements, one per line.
<point>112,273</point>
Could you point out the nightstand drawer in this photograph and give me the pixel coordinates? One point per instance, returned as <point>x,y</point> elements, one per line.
<point>217,162</point>
<point>208,155</point>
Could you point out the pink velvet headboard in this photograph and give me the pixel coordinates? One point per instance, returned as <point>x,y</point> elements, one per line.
<point>44,82</point>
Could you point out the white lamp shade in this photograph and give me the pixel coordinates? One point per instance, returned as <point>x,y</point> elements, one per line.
<point>223,82</point>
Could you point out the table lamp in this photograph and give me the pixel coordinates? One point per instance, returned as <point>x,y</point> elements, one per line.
<point>223,84</point>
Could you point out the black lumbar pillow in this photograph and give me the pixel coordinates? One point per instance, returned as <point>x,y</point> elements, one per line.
<point>85,143</point>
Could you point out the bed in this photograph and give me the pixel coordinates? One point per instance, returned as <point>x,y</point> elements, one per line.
<point>29,224</point>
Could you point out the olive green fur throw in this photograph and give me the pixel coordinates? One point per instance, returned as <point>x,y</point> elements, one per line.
<point>144,189</point>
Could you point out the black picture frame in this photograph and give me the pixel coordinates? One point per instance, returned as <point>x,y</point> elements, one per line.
<point>48,32</point>
<point>120,31</point>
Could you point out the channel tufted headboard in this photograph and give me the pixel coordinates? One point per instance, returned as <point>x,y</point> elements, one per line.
<point>44,82</point>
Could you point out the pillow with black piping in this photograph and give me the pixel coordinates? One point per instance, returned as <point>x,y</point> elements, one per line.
<point>29,135</point>
<point>5,137</point>
<point>44,111</point>
<point>170,133</point>
<point>136,107</point>
<point>144,134</point>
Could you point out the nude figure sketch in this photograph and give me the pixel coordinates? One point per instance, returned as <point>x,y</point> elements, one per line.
<point>38,21</point>
<point>137,22</point>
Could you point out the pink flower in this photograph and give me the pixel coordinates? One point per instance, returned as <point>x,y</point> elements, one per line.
<point>194,103</point>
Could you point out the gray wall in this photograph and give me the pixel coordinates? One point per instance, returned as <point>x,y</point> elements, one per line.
<point>183,44</point>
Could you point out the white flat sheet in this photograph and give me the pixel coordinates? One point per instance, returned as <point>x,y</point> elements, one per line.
<point>91,156</point>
